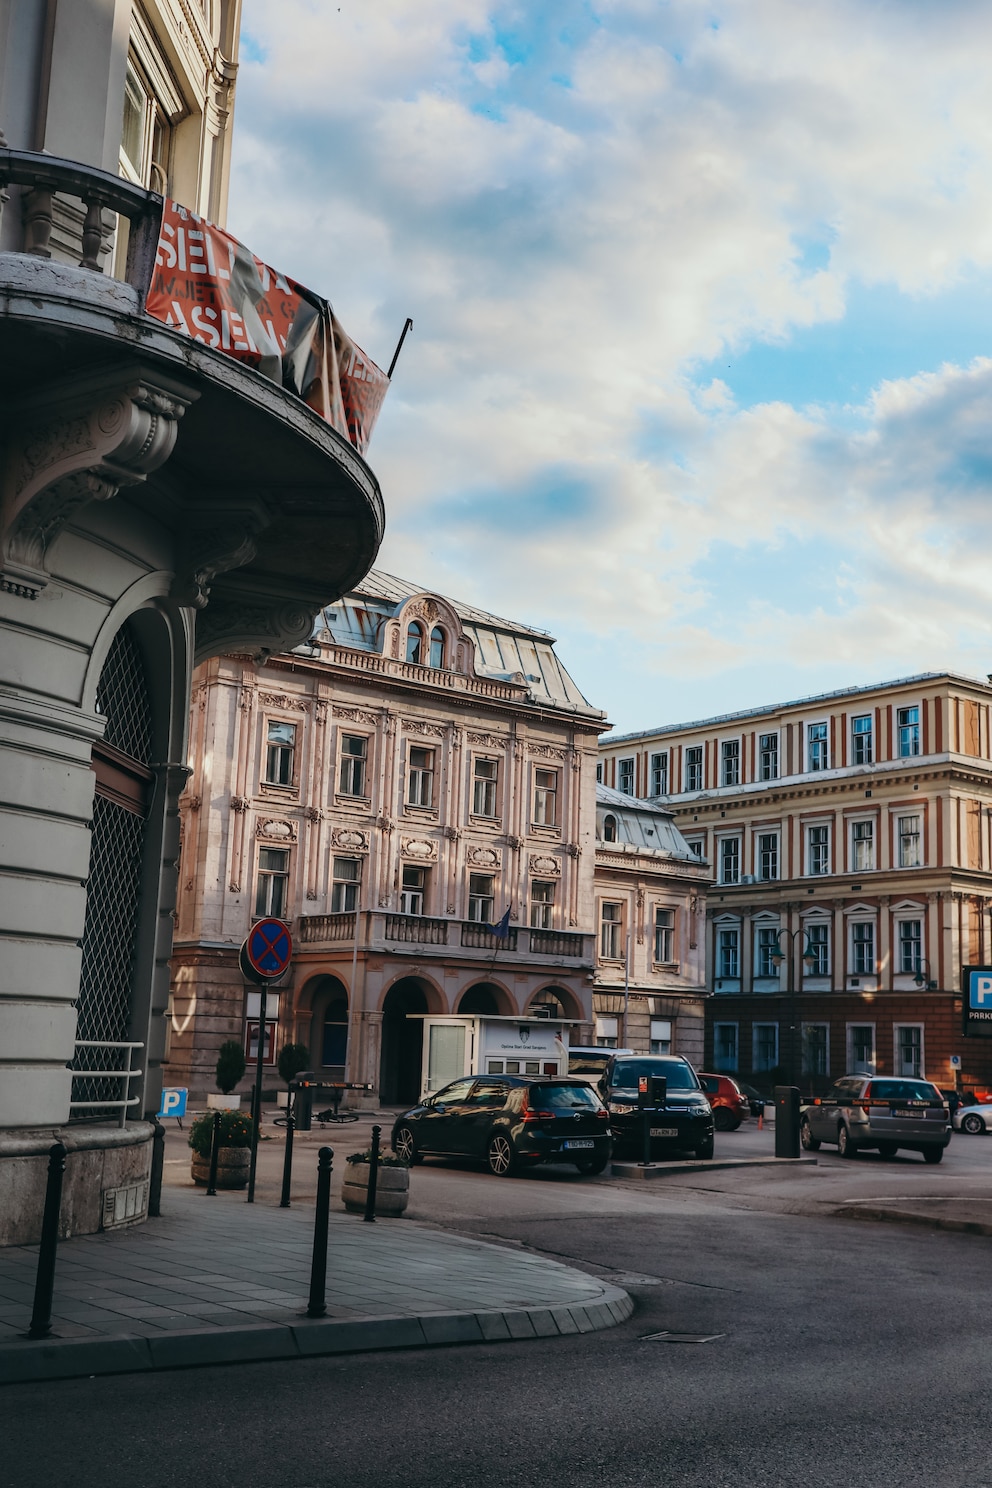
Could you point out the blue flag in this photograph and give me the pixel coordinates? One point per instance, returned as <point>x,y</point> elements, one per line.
<point>501,930</point>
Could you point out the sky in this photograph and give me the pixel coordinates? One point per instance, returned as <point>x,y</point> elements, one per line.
<point>700,378</point>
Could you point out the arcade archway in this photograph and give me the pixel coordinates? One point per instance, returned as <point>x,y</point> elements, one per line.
<point>328,1027</point>
<point>402,1050</point>
<point>487,998</point>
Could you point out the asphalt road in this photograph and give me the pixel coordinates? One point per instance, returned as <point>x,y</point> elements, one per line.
<point>848,1352</point>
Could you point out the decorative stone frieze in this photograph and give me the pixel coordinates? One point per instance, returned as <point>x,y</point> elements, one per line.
<point>419,848</point>
<point>275,829</point>
<point>350,839</point>
<point>483,857</point>
<point>545,866</point>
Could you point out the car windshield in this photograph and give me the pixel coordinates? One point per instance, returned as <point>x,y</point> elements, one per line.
<point>907,1090</point>
<point>547,1097</point>
<point>680,1076</point>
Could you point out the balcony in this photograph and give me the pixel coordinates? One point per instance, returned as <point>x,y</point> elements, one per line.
<point>461,939</point>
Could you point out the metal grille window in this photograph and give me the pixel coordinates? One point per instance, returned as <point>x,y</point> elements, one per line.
<point>765,1046</point>
<point>272,888</point>
<point>863,844</point>
<point>420,790</point>
<point>725,1057</point>
<point>413,890</point>
<point>610,930</point>
<point>279,751</point>
<point>664,935</point>
<point>660,1032</point>
<point>122,698</point>
<point>768,752</point>
<point>909,1051</point>
<point>480,898</point>
<point>818,854</point>
<point>546,797</point>
<point>730,860</point>
<point>861,738</point>
<point>728,953</point>
<point>766,949</point>
<point>814,1049</point>
<point>347,879</point>
<point>730,762</point>
<point>909,842</point>
<point>910,945</point>
<point>625,776</point>
<point>659,774</point>
<point>354,759</point>
<point>542,904</point>
<point>816,739</point>
<point>768,856</point>
<point>863,945</point>
<point>818,950</point>
<point>909,732</point>
<point>485,778</point>
<point>694,768</point>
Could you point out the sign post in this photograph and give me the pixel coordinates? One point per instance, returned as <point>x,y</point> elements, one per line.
<point>265,957</point>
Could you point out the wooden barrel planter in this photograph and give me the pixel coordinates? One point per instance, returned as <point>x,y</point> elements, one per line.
<point>232,1167</point>
<point>392,1189</point>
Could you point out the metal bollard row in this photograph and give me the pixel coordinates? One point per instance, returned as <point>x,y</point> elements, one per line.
<point>317,1306</point>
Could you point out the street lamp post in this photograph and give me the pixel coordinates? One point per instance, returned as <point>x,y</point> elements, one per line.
<point>778,956</point>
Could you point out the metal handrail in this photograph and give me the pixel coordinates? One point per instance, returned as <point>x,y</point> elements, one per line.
<point>124,1075</point>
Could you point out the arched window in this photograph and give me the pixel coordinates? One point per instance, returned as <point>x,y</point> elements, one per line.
<point>609,829</point>
<point>437,647</point>
<point>415,643</point>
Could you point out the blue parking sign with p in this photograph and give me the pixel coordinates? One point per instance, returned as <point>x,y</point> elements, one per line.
<point>977,1001</point>
<point>980,991</point>
<point>173,1102</point>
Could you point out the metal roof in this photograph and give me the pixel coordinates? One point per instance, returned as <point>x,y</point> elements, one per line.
<point>641,824</point>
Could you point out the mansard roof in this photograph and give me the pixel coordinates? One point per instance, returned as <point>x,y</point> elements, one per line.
<point>640,824</point>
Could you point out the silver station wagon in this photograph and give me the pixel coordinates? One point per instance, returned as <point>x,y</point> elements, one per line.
<point>865,1111</point>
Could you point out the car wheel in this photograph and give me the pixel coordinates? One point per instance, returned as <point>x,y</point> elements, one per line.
<point>806,1137</point>
<point>933,1154</point>
<point>845,1147</point>
<point>972,1124</point>
<point>705,1150</point>
<point>590,1166</point>
<point>500,1155</point>
<point>724,1120</point>
<point>888,1149</point>
<point>405,1146</point>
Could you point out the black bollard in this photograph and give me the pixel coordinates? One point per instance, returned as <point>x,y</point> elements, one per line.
<point>214,1155</point>
<point>44,1287</point>
<point>318,1267</point>
<point>158,1168</point>
<point>373,1177</point>
<point>287,1160</point>
<point>787,1104</point>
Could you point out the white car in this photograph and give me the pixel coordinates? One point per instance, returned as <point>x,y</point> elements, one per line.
<point>973,1119</point>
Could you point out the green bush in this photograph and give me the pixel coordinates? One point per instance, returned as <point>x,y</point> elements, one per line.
<point>293,1059</point>
<point>235,1131</point>
<point>386,1159</point>
<point>230,1066</point>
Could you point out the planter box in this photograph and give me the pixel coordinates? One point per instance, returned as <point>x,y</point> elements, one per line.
<point>392,1189</point>
<point>232,1167</point>
<point>224,1102</point>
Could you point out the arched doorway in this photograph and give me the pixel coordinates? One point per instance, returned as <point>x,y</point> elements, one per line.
<point>402,1052</point>
<point>485,998</point>
<point>553,1002</point>
<point>329,1027</point>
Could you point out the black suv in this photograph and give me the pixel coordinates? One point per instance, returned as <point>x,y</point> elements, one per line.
<point>685,1122</point>
<point>508,1123</point>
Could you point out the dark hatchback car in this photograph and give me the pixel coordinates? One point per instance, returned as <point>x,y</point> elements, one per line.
<point>684,1123</point>
<point>508,1123</point>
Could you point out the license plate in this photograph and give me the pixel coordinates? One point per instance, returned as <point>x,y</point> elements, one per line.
<point>579,1142</point>
<point>664,1131</point>
<point>910,1115</point>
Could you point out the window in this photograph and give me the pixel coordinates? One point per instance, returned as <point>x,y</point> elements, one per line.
<point>728,953</point>
<point>725,1057</point>
<point>818,949</point>
<point>730,762</point>
<point>542,904</point>
<point>421,784</point>
<point>863,846</point>
<point>272,889</point>
<point>696,847</point>
<point>861,738</point>
<point>815,1049</point>
<point>910,946</point>
<point>664,935</point>
<point>818,850</point>
<point>486,772</point>
<point>661,1036</point>
<point>609,829</point>
<point>909,842</point>
<point>768,856</point>
<point>768,756</point>
<point>599,772</point>
<point>279,751</point>
<point>480,898</point>
<point>767,947</point>
<point>861,1048</point>
<point>765,1046</point>
<point>344,891</point>
<point>694,768</point>
<point>354,755</point>
<point>546,797</point>
<point>625,776</point>
<point>659,774</point>
<point>863,944</point>
<point>607,1032</point>
<point>909,731</point>
<point>415,643</point>
<point>437,647</point>
<point>730,860</point>
<point>909,1051</point>
<point>610,927</point>
<point>816,739</point>
<point>144,156</point>
<point>413,890</point>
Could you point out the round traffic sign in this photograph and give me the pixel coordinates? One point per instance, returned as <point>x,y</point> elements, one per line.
<point>266,953</point>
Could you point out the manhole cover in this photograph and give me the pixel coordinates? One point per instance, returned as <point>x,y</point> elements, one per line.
<point>681,1337</point>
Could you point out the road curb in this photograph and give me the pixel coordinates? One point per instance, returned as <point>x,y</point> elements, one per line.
<point>304,1338</point>
<point>667,1169</point>
<point>910,1217</point>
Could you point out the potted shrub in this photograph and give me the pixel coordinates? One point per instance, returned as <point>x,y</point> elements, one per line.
<point>392,1189</point>
<point>292,1060</point>
<point>230,1072</point>
<point>234,1155</point>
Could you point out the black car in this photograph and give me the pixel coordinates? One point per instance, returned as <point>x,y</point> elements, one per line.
<point>684,1123</point>
<point>508,1123</point>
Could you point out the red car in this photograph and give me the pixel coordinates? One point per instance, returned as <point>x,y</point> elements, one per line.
<point>730,1105</point>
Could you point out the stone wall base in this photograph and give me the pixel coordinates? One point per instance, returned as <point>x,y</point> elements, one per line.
<point>102,1161</point>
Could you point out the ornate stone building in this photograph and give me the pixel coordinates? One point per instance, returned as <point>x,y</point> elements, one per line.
<point>392,789</point>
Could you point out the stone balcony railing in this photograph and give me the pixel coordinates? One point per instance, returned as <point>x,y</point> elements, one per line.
<point>379,930</point>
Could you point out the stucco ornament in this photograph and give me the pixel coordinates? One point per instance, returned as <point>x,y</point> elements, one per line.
<point>419,848</point>
<point>351,839</point>
<point>276,830</point>
<point>547,867</point>
<point>483,857</point>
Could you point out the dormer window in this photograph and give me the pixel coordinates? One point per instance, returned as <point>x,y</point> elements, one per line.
<point>415,643</point>
<point>609,829</point>
<point>437,647</point>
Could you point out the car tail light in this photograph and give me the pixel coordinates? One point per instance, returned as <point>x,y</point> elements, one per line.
<point>603,1114</point>
<point>529,1115</point>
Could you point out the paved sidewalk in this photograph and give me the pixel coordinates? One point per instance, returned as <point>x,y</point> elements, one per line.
<point>215,1281</point>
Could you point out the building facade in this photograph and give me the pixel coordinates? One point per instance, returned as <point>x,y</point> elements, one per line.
<point>851,841</point>
<point>649,992</point>
<point>393,790</point>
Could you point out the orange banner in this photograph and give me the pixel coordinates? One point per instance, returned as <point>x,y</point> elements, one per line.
<point>209,286</point>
